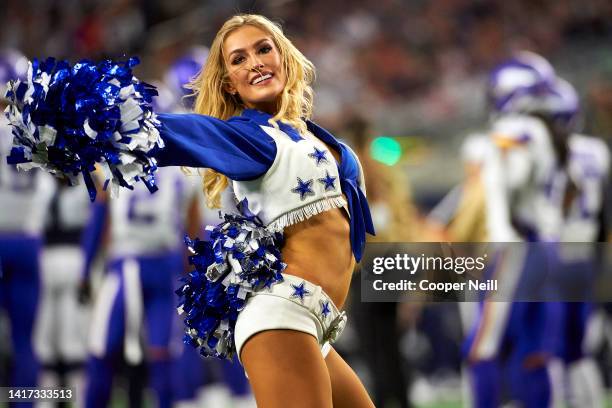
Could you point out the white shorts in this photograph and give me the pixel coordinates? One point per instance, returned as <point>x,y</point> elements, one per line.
<point>293,304</point>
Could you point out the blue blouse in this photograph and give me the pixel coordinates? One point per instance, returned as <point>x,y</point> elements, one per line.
<point>242,150</point>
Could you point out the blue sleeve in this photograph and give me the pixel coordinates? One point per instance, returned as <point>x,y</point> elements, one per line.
<point>237,148</point>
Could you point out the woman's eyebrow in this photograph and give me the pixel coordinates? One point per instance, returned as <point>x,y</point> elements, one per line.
<point>255,44</point>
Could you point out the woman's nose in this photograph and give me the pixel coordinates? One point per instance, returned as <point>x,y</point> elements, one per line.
<point>257,66</point>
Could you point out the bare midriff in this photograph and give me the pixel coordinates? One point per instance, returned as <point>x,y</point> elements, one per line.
<point>319,250</point>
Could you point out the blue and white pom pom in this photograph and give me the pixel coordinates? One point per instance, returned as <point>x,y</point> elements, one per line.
<point>66,119</point>
<point>240,257</point>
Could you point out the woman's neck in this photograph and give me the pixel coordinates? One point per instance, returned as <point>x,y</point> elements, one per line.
<point>270,108</point>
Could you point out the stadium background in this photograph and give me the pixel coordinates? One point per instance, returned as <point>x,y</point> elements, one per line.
<point>414,70</point>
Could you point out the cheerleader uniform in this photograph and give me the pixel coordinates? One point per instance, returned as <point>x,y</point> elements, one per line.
<point>285,178</point>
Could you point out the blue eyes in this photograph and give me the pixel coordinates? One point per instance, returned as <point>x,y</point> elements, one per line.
<point>263,50</point>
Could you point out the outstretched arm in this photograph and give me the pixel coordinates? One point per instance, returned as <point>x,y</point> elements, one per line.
<point>110,123</point>
<point>237,148</point>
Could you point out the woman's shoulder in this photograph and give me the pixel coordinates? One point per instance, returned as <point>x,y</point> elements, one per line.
<point>240,119</point>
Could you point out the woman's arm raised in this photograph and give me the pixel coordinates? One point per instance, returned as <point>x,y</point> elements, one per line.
<point>237,148</point>
<point>69,120</point>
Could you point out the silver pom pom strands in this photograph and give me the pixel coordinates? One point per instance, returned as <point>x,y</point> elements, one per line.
<point>66,119</point>
<point>240,257</point>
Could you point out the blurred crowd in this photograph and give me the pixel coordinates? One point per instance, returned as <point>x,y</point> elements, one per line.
<point>388,53</point>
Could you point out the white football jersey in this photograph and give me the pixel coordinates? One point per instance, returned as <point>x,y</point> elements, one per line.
<point>24,195</point>
<point>143,223</point>
<point>68,215</point>
<point>524,184</point>
<point>588,167</point>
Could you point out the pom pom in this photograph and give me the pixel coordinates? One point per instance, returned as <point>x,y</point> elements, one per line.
<point>240,257</point>
<point>66,119</point>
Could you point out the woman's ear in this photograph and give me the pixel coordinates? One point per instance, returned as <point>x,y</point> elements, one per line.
<point>229,88</point>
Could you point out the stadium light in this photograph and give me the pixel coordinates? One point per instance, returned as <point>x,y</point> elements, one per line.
<point>386,150</point>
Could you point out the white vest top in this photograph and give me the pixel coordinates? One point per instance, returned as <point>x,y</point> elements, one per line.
<point>303,181</point>
<point>284,178</point>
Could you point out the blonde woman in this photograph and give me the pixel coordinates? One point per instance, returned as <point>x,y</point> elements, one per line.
<point>252,125</point>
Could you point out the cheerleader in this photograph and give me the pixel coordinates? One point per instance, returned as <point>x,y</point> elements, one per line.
<point>252,125</point>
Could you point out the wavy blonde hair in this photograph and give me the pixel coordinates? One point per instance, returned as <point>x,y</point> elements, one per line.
<point>212,98</point>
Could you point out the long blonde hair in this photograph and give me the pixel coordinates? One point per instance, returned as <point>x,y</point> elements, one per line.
<point>295,102</point>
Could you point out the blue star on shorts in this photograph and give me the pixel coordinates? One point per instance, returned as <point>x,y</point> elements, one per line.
<point>328,181</point>
<point>325,309</point>
<point>300,291</point>
<point>304,188</point>
<point>318,155</point>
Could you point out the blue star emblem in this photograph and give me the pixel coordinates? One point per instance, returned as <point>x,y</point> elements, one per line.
<point>304,188</point>
<point>300,291</point>
<point>328,181</point>
<point>318,155</point>
<point>325,309</point>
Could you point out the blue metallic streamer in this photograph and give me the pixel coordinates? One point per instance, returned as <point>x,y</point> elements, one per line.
<point>214,293</point>
<point>68,118</point>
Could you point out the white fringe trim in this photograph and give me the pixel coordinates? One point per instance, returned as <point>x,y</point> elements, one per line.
<point>305,212</point>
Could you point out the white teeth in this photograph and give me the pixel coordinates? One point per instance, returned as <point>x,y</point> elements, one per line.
<point>261,78</point>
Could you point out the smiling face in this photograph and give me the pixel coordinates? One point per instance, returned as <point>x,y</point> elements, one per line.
<point>254,66</point>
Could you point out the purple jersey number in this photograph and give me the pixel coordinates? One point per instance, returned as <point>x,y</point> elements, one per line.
<point>141,206</point>
<point>19,181</point>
